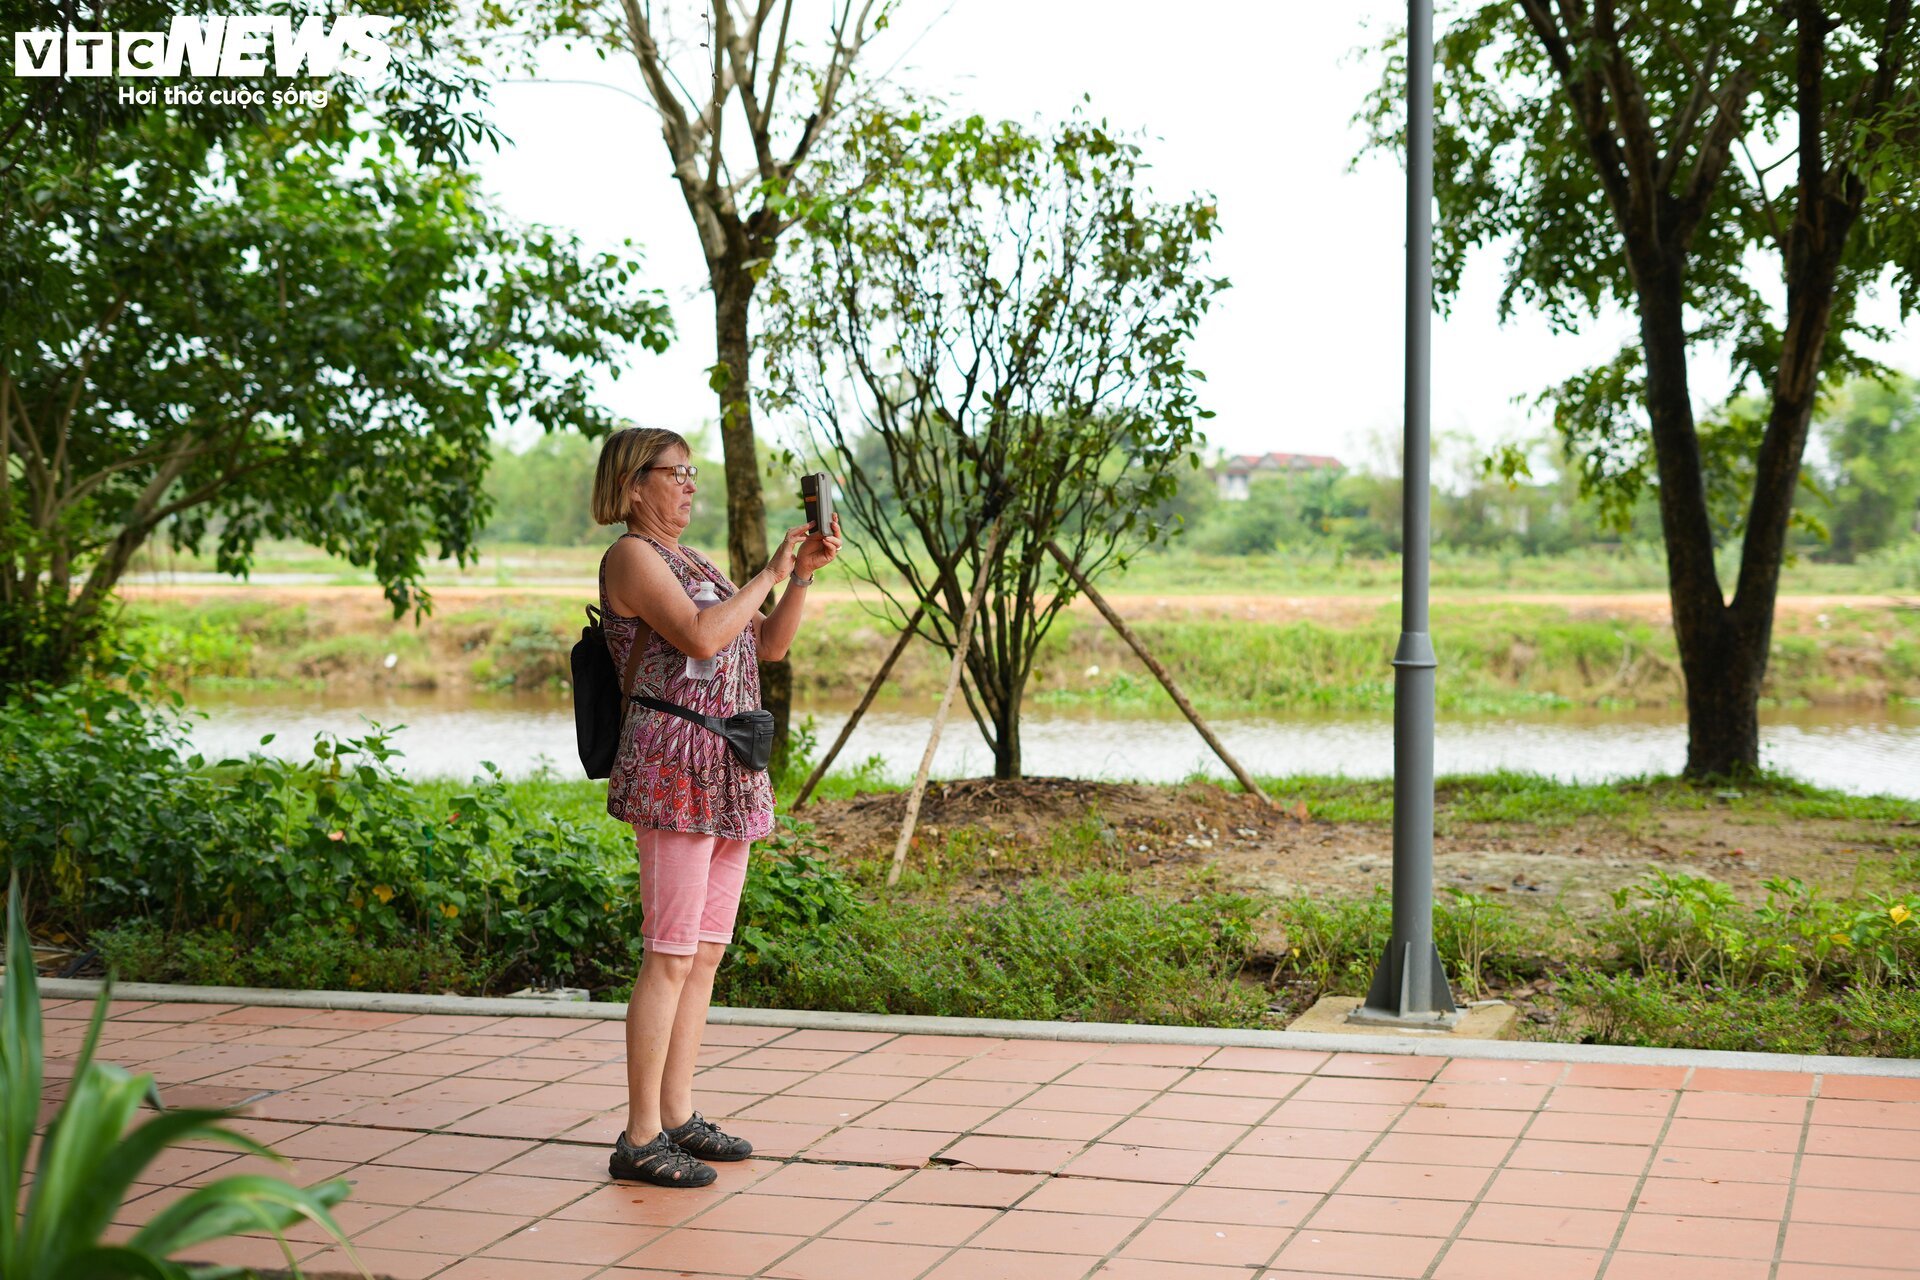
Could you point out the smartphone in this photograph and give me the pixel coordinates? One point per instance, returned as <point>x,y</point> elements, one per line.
<point>816,495</point>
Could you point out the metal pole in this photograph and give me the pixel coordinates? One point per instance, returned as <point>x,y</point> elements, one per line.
<point>1410,987</point>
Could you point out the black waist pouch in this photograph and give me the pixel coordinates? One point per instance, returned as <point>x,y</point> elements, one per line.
<point>749,734</point>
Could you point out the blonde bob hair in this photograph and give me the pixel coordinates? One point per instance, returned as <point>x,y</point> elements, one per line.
<point>626,454</point>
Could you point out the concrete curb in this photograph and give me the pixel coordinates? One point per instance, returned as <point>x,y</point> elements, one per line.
<point>900,1024</point>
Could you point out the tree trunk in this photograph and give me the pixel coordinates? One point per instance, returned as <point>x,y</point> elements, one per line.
<point>1723,709</point>
<point>1006,733</point>
<point>746,506</point>
<point>1722,673</point>
<point>1724,646</point>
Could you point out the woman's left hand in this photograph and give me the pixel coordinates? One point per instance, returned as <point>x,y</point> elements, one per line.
<point>817,551</point>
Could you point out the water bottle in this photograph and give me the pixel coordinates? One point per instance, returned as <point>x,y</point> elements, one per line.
<point>704,597</point>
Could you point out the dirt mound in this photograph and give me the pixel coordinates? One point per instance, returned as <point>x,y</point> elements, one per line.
<point>1146,820</point>
<point>1166,833</point>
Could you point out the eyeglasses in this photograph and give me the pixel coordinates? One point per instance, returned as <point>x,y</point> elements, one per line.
<point>681,473</point>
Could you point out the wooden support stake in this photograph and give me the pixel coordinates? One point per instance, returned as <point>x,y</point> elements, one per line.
<point>961,641</point>
<point>945,567</point>
<point>1160,673</point>
<point>846,730</point>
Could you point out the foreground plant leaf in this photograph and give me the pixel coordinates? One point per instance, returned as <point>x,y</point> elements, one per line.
<point>93,1153</point>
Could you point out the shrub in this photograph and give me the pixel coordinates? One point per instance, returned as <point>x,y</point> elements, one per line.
<point>1479,938</point>
<point>143,952</point>
<point>335,870</point>
<point>1693,928</point>
<point>1334,945</point>
<point>790,899</point>
<point>1657,1009</point>
<point>1086,950</point>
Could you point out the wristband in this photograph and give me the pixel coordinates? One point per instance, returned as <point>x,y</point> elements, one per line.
<point>799,581</point>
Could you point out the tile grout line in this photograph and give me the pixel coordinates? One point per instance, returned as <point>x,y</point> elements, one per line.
<point>1353,1165</point>
<point>799,1156</point>
<point>1048,1176</point>
<point>1164,1091</point>
<point>1640,1183</point>
<point>802,1242</point>
<point>470,1175</point>
<point>534,1044</point>
<point>1493,1176</point>
<point>1793,1180</point>
<point>1113,1254</point>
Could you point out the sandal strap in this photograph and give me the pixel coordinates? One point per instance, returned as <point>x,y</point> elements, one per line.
<point>669,1160</point>
<point>703,1137</point>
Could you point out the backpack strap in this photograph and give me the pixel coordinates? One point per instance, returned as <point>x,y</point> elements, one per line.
<point>641,634</point>
<point>641,631</point>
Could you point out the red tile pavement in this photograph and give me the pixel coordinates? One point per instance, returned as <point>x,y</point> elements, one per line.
<point>475,1149</point>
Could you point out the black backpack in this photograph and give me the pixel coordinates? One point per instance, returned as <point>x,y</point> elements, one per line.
<point>599,698</point>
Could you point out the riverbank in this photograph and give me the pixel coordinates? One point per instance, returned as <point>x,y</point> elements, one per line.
<point>1500,652</point>
<point>1176,570</point>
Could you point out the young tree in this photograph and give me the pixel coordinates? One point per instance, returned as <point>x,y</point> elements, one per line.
<point>1648,153</point>
<point>303,337</point>
<point>1007,315</point>
<point>742,61</point>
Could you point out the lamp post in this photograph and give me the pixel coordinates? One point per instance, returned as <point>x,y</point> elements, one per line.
<point>1410,987</point>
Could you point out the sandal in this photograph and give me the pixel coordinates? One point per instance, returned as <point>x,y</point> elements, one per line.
<point>659,1162</point>
<point>701,1137</point>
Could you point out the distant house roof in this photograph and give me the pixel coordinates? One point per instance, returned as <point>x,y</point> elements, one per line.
<point>1247,463</point>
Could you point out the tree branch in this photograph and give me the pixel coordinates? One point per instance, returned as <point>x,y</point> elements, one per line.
<point>1716,151</point>
<point>779,57</point>
<point>737,49</point>
<point>1589,109</point>
<point>846,47</point>
<point>681,143</point>
<point>1630,108</point>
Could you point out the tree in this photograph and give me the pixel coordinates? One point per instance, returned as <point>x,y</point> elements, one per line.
<point>1007,315</point>
<point>750,70</point>
<point>1872,433</point>
<point>1610,147</point>
<point>285,333</point>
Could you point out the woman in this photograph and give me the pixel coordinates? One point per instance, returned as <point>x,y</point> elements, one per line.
<point>694,808</point>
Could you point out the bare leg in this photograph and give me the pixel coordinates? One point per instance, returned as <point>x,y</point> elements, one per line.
<point>650,1031</point>
<point>689,1025</point>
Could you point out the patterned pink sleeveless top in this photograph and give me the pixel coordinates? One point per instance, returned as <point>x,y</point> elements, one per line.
<point>670,773</point>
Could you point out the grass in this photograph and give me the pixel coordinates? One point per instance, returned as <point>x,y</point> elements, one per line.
<point>1173,571</point>
<point>1501,658</point>
<point>1501,796</point>
<point>1080,949</point>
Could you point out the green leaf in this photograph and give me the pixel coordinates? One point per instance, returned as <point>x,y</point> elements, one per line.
<point>244,1202</point>
<point>20,1058</point>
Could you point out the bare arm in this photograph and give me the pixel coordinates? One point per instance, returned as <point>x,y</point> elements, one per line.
<point>639,583</point>
<point>775,631</point>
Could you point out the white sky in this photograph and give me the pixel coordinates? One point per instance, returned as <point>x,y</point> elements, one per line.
<point>1251,101</point>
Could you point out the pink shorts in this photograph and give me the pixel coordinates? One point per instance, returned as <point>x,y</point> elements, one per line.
<point>689,888</point>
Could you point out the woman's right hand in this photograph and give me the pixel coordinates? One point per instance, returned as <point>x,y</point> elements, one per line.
<point>783,556</point>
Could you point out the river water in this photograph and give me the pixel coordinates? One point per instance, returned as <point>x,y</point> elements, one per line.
<point>1863,750</point>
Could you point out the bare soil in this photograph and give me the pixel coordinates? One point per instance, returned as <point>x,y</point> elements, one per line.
<point>1166,834</point>
<point>1652,606</point>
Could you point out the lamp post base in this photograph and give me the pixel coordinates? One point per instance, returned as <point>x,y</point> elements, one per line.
<point>1409,990</point>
